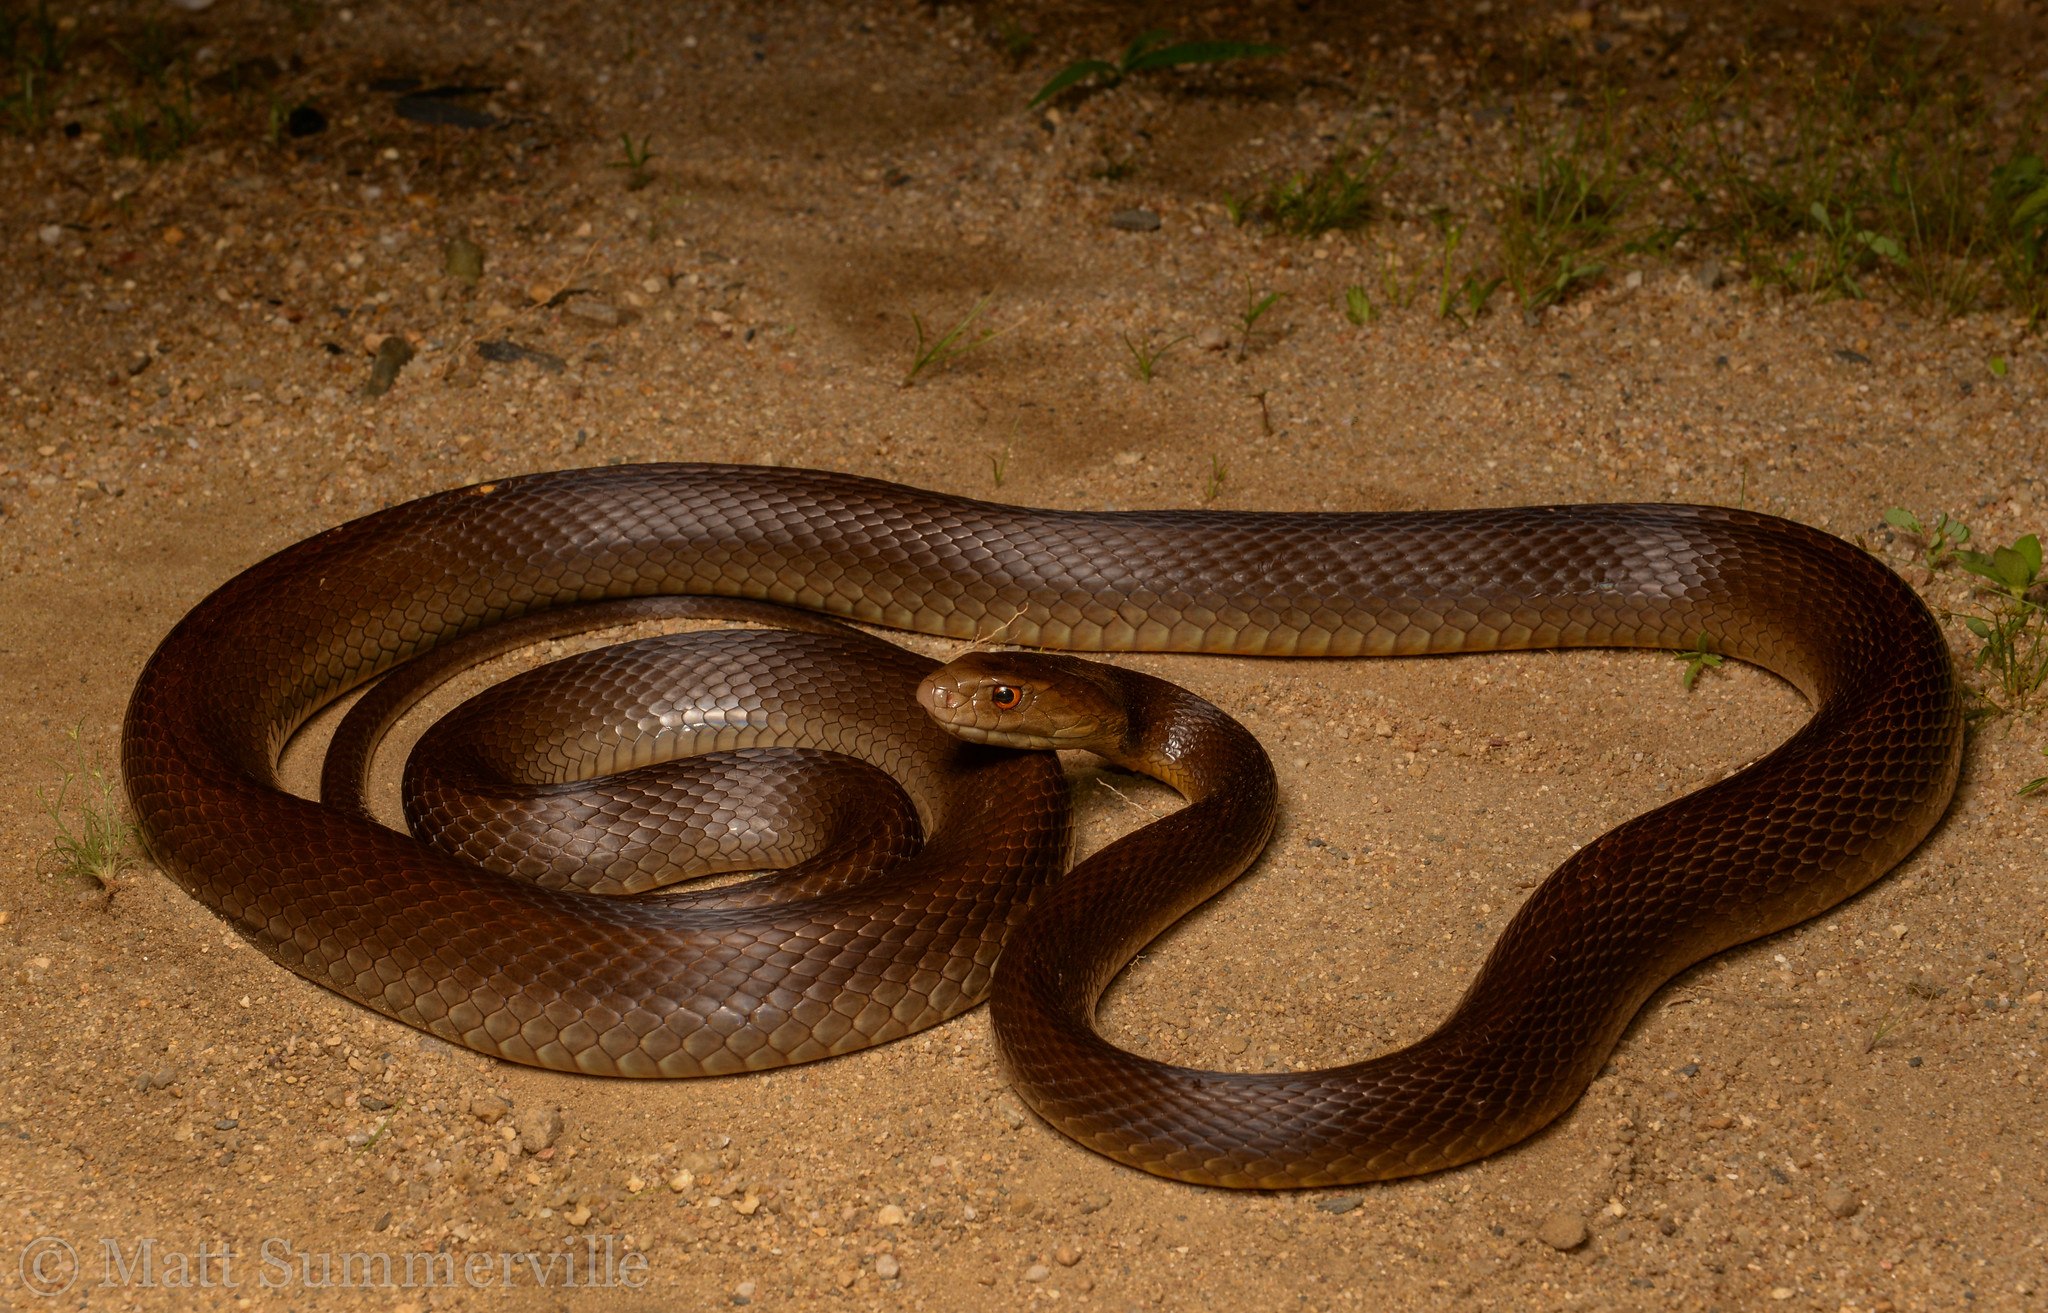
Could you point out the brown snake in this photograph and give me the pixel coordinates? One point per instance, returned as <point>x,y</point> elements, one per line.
<point>604,985</point>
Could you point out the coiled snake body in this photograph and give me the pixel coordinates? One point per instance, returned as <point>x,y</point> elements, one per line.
<point>619,986</point>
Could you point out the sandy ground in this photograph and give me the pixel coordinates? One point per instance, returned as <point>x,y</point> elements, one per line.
<point>1848,1115</point>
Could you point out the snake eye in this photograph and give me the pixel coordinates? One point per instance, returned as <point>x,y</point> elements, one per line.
<point>1005,697</point>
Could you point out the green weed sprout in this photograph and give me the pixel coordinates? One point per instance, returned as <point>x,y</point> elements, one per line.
<point>1149,52</point>
<point>1939,537</point>
<point>1145,360</point>
<point>633,158</point>
<point>2015,633</point>
<point>935,352</point>
<point>1700,659</point>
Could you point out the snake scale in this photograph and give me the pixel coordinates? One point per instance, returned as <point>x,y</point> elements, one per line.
<point>637,987</point>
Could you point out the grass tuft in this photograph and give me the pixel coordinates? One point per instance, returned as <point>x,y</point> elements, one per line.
<point>937,352</point>
<point>94,842</point>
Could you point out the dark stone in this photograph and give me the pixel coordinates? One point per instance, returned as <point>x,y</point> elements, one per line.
<point>1135,221</point>
<point>305,121</point>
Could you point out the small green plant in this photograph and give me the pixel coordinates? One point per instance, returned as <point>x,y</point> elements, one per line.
<point>634,158</point>
<point>1358,306</point>
<point>37,41</point>
<point>1556,228</point>
<point>1145,360</point>
<point>936,352</point>
<point>1149,52</point>
<point>1836,253</point>
<point>1701,658</point>
<point>1332,197</point>
<point>150,53</point>
<point>97,844</point>
<point>1463,300</point>
<point>27,110</point>
<point>1939,537</point>
<point>998,465</point>
<point>1997,366</point>
<point>2015,633</point>
<point>1218,472</point>
<point>2019,223</point>
<point>155,134</point>
<point>1255,308</point>
<point>2036,784</point>
<point>1013,40</point>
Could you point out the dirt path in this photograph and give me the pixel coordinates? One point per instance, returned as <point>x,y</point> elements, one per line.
<point>1848,1115</point>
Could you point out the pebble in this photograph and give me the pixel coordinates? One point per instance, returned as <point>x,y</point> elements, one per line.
<point>1562,1231</point>
<point>373,1103</point>
<point>50,234</point>
<point>1340,1203</point>
<point>1011,1115</point>
<point>465,260</point>
<point>1066,1256</point>
<point>578,1215</point>
<point>1709,275</point>
<point>889,1215</point>
<point>1135,221</point>
<point>682,1180</point>
<point>887,1268</point>
<point>538,1128</point>
<point>1037,1272</point>
<point>596,311</point>
<point>1212,338</point>
<point>743,1293</point>
<point>392,355</point>
<point>501,352</point>
<point>1841,1202</point>
<point>488,1108</point>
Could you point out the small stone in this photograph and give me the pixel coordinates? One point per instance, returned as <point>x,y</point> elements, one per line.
<point>1212,338</point>
<point>538,1128</point>
<point>1848,357</point>
<point>1012,1116</point>
<point>1135,221</point>
<point>889,1215</point>
<point>1340,1203</point>
<point>1898,932</point>
<point>577,1216</point>
<point>1562,1231</point>
<point>465,260</point>
<point>50,234</point>
<point>488,1108</point>
<point>1037,1272</point>
<point>743,1293</point>
<point>163,1076</point>
<point>392,355</point>
<point>747,1206</point>
<point>373,1103</point>
<point>653,286</point>
<point>1841,1202</point>
<point>596,311</point>
<point>634,1185</point>
<point>1066,1255</point>
<point>1781,1292</point>
<point>1709,275</point>
<point>887,1268</point>
<point>682,1180</point>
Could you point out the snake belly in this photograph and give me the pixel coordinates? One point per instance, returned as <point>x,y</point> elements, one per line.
<point>565,981</point>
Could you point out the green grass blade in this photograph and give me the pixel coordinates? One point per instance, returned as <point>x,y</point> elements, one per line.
<point>1200,52</point>
<point>1075,72</point>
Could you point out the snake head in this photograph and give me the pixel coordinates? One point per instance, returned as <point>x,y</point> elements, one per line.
<point>1027,700</point>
